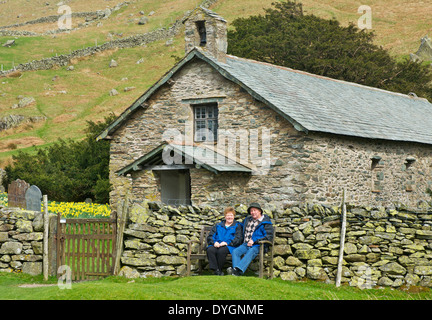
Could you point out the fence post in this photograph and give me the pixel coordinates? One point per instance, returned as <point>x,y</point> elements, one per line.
<point>342,241</point>
<point>122,214</point>
<point>45,238</point>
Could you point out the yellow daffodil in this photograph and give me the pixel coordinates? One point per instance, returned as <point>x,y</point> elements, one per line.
<point>71,209</point>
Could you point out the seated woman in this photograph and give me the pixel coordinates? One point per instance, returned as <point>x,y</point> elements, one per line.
<point>222,239</point>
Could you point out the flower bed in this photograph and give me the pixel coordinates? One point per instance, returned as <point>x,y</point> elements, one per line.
<point>71,209</point>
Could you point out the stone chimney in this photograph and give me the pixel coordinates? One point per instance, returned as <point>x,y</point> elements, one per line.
<point>208,31</point>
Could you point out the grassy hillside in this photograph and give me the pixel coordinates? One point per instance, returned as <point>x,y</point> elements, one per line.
<point>69,98</point>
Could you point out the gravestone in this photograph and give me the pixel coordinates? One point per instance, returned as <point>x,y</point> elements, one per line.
<point>33,198</point>
<point>424,53</point>
<point>16,194</point>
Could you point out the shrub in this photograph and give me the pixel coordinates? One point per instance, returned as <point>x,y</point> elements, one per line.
<point>68,170</point>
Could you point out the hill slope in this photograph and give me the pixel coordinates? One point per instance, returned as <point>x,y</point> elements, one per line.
<point>64,99</point>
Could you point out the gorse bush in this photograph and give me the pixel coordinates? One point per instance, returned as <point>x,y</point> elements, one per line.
<point>68,170</point>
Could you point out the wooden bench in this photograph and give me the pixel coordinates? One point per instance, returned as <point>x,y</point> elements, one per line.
<point>202,255</point>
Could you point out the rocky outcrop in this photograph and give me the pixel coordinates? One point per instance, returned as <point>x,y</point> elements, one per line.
<point>424,53</point>
<point>14,120</point>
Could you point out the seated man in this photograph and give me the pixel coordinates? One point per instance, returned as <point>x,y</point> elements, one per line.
<point>257,226</point>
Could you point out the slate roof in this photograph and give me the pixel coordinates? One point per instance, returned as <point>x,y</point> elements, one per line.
<point>210,13</point>
<point>315,103</point>
<point>191,154</point>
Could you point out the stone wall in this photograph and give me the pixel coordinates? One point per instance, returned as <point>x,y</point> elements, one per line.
<point>373,172</point>
<point>383,247</point>
<point>65,59</point>
<point>89,16</point>
<point>21,241</point>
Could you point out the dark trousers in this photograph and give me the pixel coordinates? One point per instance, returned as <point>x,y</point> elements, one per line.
<point>217,257</point>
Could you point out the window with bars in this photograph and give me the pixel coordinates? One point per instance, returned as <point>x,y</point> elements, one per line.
<point>206,122</point>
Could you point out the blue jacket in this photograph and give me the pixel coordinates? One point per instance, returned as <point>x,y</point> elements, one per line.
<point>232,235</point>
<point>263,231</point>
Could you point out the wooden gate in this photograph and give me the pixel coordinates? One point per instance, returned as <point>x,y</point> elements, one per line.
<point>86,246</point>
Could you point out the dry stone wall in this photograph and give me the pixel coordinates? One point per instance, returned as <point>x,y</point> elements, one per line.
<point>384,246</point>
<point>65,59</point>
<point>21,241</point>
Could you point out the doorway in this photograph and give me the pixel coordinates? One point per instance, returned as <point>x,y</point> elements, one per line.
<point>175,187</point>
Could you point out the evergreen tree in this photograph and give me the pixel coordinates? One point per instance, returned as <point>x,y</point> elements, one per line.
<point>286,36</point>
<point>68,170</point>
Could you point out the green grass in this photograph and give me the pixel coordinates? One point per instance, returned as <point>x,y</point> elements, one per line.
<point>191,288</point>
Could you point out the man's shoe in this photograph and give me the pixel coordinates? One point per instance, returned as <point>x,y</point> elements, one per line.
<point>229,270</point>
<point>237,272</point>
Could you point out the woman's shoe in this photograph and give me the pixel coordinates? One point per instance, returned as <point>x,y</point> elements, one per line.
<point>218,273</point>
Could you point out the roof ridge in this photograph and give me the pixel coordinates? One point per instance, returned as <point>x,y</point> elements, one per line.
<point>206,11</point>
<point>379,116</point>
<point>328,78</point>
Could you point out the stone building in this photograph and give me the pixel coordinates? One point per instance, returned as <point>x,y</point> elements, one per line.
<point>222,130</point>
